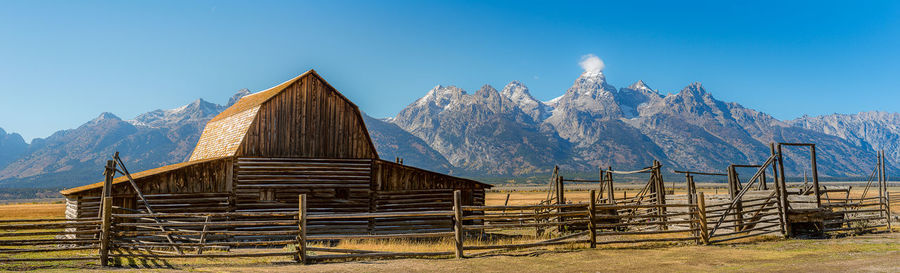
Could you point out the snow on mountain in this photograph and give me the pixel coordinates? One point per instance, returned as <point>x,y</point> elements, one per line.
<point>593,124</point>
<point>237,96</point>
<point>198,110</point>
<point>875,129</point>
<point>589,100</point>
<point>518,93</point>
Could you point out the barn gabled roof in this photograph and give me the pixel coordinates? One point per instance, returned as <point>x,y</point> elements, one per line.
<point>224,134</point>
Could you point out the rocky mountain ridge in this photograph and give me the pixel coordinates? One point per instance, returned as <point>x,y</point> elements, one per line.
<point>498,133</point>
<point>593,125</point>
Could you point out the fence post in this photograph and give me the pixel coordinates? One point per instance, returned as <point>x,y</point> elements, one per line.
<point>887,195</point>
<point>301,223</point>
<point>105,230</point>
<point>592,225</point>
<point>457,223</point>
<point>560,200</point>
<point>660,195</point>
<point>701,209</point>
<point>609,187</point>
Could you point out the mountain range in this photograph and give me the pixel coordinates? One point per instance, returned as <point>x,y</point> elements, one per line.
<point>498,133</point>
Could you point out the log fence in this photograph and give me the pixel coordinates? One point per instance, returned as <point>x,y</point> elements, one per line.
<point>121,233</point>
<point>53,239</point>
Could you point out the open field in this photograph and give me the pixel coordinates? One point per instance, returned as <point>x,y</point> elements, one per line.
<point>32,211</point>
<point>869,253</point>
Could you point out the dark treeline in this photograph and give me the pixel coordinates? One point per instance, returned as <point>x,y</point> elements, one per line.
<point>20,193</point>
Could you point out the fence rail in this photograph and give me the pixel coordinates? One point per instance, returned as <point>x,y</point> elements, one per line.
<point>50,237</point>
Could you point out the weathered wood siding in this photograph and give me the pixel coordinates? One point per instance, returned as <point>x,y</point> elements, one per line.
<point>308,119</point>
<point>72,206</point>
<point>331,186</point>
<point>273,184</point>
<point>190,188</point>
<point>403,188</point>
<point>397,177</point>
<point>414,200</point>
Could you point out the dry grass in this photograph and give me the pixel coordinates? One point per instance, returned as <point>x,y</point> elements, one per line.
<point>32,211</point>
<point>870,253</point>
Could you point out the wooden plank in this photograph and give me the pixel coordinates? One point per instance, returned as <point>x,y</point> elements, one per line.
<point>382,236</point>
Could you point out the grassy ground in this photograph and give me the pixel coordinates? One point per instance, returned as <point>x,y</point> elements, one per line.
<point>869,253</point>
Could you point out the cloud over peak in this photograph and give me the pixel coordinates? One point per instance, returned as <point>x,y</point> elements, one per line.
<point>591,64</point>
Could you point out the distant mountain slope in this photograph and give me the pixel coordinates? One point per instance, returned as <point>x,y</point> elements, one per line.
<point>875,130</point>
<point>391,142</point>
<point>484,133</point>
<point>12,146</point>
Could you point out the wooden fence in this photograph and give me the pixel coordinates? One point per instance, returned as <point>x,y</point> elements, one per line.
<point>128,234</point>
<point>758,215</point>
<point>53,239</point>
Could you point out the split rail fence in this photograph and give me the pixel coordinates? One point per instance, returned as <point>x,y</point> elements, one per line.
<point>49,239</point>
<point>306,237</point>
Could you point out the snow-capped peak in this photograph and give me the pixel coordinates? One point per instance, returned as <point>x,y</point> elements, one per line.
<point>105,116</point>
<point>695,89</point>
<point>440,96</point>
<point>639,85</point>
<point>197,110</point>
<point>237,96</point>
<point>590,84</point>
<point>519,94</point>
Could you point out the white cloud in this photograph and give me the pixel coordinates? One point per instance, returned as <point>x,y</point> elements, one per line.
<point>591,64</point>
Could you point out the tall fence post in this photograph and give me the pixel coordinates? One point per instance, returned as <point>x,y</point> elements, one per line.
<point>815,175</point>
<point>692,200</point>
<point>887,195</point>
<point>457,223</point>
<point>105,230</point>
<point>560,200</point>
<point>301,224</point>
<point>610,194</point>
<point>592,225</point>
<point>701,209</point>
<point>660,195</point>
<point>788,232</point>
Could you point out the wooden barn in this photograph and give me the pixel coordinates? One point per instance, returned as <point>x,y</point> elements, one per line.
<point>300,137</point>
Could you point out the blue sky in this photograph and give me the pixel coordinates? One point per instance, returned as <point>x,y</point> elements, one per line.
<point>62,63</point>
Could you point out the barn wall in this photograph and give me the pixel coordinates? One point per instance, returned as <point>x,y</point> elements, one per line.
<point>403,189</point>
<point>331,186</point>
<point>308,119</point>
<point>273,184</point>
<point>397,177</point>
<point>198,187</point>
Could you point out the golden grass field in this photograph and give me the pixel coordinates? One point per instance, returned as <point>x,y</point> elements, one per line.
<point>868,253</point>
